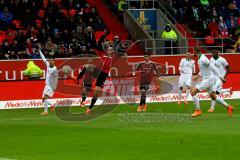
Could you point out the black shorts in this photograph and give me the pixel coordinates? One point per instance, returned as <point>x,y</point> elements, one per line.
<point>87,86</point>
<point>144,86</point>
<point>101,79</point>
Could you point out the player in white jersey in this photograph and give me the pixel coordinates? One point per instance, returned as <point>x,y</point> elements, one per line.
<point>50,82</point>
<point>222,65</point>
<point>186,68</point>
<point>207,71</point>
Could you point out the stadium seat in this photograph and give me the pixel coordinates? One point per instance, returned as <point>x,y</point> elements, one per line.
<point>64,12</point>
<point>209,40</point>
<point>72,12</point>
<point>41,13</point>
<point>98,35</point>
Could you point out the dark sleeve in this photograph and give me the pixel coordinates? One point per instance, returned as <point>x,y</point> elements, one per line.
<point>81,73</point>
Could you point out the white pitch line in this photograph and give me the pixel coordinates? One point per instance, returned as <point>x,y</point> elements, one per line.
<point>6,159</point>
<point>112,114</point>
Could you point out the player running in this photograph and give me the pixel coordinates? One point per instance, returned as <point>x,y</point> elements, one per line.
<point>222,65</point>
<point>50,82</point>
<point>186,68</point>
<point>207,70</point>
<point>147,69</point>
<point>88,73</point>
<point>107,61</point>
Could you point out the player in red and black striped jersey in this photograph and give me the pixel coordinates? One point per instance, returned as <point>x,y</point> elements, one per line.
<point>107,61</point>
<point>88,73</point>
<point>146,70</point>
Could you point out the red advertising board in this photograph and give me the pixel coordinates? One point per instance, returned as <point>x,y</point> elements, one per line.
<point>168,65</point>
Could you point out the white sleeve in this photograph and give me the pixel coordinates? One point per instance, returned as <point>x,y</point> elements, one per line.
<point>205,61</point>
<point>224,62</point>
<point>215,70</point>
<point>44,59</point>
<point>180,65</point>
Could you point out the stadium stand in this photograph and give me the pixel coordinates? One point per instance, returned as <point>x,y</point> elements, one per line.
<point>66,27</point>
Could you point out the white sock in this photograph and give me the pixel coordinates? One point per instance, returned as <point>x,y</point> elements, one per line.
<point>222,102</point>
<point>180,94</point>
<point>225,90</point>
<point>45,105</point>
<point>196,102</point>
<point>187,93</point>
<point>213,103</point>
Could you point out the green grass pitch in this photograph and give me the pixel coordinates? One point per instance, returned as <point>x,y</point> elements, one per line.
<point>26,135</point>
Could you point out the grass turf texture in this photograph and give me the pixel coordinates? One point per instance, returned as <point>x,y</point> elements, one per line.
<point>26,135</point>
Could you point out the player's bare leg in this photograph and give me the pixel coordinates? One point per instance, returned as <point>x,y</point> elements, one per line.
<point>214,97</point>
<point>94,99</point>
<point>198,111</point>
<point>180,95</point>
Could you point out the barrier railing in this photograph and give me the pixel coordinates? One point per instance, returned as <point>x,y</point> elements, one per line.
<point>172,47</point>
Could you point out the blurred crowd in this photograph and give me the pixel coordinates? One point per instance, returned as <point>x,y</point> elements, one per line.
<point>64,27</point>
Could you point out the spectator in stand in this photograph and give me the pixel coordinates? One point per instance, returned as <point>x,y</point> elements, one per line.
<point>170,38</point>
<point>70,53</point>
<point>76,47</point>
<point>121,4</point>
<point>79,35</point>
<point>5,18</point>
<point>13,55</point>
<point>49,45</point>
<point>30,48</point>
<point>5,49</point>
<point>90,38</point>
<point>222,27</point>
<point>231,24</point>
<point>213,28</point>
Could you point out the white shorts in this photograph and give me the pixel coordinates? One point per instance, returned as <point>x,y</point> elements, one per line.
<point>184,80</point>
<point>207,85</point>
<point>218,85</point>
<point>48,91</point>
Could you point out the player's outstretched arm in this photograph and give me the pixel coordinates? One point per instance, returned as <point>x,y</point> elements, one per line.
<point>43,58</point>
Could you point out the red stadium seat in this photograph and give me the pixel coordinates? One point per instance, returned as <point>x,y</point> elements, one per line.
<point>209,40</point>
<point>17,23</point>
<point>64,12</point>
<point>72,12</point>
<point>98,35</point>
<point>41,13</point>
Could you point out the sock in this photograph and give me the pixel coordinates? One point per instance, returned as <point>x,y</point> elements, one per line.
<point>83,98</point>
<point>45,105</point>
<point>93,101</point>
<point>196,102</point>
<point>222,102</point>
<point>225,90</point>
<point>187,93</point>
<point>213,103</point>
<point>143,100</point>
<point>180,94</point>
